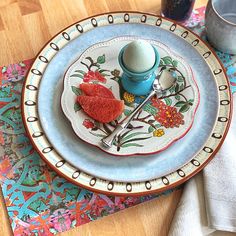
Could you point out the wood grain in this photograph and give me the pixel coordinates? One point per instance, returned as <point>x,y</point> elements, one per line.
<point>25,26</point>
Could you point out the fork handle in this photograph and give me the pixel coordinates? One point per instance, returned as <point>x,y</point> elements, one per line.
<point>108,141</point>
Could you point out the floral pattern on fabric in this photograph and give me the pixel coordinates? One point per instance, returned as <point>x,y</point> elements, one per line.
<point>38,201</point>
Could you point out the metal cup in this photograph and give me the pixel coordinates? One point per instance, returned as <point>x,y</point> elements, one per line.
<point>221,24</point>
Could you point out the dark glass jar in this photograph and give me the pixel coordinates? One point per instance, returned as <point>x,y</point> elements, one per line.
<point>179,10</point>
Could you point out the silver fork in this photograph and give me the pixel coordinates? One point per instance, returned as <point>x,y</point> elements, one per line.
<point>158,90</point>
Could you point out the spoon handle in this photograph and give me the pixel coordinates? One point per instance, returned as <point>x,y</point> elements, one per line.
<point>108,141</point>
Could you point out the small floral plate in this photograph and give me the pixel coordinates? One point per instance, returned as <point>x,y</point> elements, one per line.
<point>161,121</point>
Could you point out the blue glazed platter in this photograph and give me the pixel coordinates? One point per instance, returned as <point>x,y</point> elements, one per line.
<point>85,165</point>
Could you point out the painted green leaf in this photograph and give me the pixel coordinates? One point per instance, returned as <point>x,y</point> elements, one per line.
<point>184,108</point>
<point>115,142</point>
<point>151,121</point>
<point>191,100</point>
<point>172,89</point>
<point>190,103</point>
<point>181,87</point>
<point>4,69</point>
<point>161,63</point>
<point>127,132</point>
<point>150,109</point>
<point>177,97</point>
<point>180,79</point>
<point>76,90</point>
<point>77,107</point>
<point>127,112</point>
<point>131,145</point>
<point>98,135</point>
<point>168,101</point>
<point>174,63</point>
<point>167,60</point>
<point>80,71</point>
<point>101,59</point>
<point>132,135</point>
<point>151,129</point>
<point>180,104</point>
<point>177,88</point>
<point>77,75</point>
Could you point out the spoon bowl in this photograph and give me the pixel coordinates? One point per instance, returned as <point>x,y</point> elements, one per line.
<point>167,80</point>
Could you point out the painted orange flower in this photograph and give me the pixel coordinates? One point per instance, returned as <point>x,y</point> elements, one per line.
<point>94,76</point>
<point>88,124</point>
<point>169,117</point>
<point>158,103</point>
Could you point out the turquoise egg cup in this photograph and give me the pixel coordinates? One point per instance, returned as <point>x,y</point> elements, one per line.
<point>139,84</point>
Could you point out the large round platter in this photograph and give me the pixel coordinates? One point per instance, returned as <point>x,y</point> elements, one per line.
<point>55,141</point>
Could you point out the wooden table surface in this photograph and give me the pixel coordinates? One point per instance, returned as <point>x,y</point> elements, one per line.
<point>25,26</point>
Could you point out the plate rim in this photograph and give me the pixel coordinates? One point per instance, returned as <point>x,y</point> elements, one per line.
<point>127,190</point>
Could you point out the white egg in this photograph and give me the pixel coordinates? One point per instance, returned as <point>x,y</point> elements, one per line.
<point>139,56</point>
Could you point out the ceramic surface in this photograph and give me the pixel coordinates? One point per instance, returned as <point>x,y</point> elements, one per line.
<point>70,157</point>
<point>221,24</point>
<point>160,123</point>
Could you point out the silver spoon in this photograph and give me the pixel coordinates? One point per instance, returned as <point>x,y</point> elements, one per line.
<point>163,81</point>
